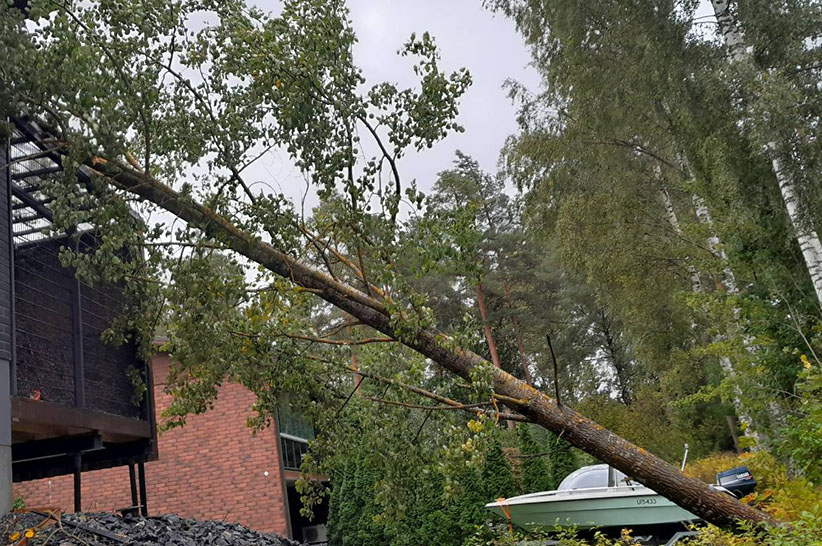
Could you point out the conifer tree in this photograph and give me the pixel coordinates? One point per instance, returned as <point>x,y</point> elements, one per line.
<point>497,475</point>
<point>562,459</point>
<point>535,472</point>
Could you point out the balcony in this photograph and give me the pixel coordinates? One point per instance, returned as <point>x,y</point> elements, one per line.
<point>73,397</point>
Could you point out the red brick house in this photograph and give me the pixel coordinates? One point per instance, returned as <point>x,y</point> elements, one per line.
<point>212,468</point>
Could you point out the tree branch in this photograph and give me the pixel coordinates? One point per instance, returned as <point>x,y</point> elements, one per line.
<point>429,407</point>
<point>365,341</point>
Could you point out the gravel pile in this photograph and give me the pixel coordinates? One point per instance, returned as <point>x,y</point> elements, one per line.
<point>112,530</point>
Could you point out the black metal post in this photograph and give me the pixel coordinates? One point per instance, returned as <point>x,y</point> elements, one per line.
<point>77,331</point>
<point>132,477</point>
<point>8,371</point>
<point>141,471</point>
<point>5,157</point>
<point>78,464</point>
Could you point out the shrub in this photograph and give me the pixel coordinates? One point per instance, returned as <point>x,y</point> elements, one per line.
<point>707,468</point>
<point>784,496</point>
<point>806,530</point>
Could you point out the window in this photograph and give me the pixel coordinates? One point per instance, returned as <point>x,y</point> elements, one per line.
<point>293,451</point>
<point>295,433</point>
<point>589,477</point>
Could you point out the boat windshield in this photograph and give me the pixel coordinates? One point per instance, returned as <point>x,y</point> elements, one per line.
<point>589,477</point>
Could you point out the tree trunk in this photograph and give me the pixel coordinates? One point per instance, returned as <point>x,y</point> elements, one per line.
<point>670,214</point>
<point>809,242</point>
<point>730,285</point>
<point>355,366</point>
<point>615,354</point>
<point>486,326</point>
<point>523,358</point>
<point>715,245</point>
<point>648,469</point>
<point>734,435</point>
<point>489,336</point>
<point>806,235</point>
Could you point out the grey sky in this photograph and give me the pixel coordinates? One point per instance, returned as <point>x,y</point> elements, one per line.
<point>468,36</point>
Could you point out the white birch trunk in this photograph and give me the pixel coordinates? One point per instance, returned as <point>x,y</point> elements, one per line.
<point>715,245</point>
<point>729,282</point>
<point>806,235</point>
<point>731,287</point>
<point>670,214</point>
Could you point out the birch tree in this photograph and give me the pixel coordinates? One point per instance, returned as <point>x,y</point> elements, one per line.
<point>738,53</point>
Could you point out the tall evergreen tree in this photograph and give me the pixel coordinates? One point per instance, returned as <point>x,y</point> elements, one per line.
<point>535,473</point>
<point>562,459</point>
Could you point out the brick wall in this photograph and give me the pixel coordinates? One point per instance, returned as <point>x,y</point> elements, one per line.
<point>213,468</point>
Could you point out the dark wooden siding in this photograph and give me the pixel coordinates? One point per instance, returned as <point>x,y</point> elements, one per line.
<point>107,384</point>
<point>43,313</point>
<point>46,354</point>
<point>70,383</point>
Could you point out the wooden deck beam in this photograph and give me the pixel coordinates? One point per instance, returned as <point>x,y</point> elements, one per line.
<point>47,419</point>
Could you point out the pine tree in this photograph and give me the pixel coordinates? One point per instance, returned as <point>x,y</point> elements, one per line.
<point>342,506</point>
<point>497,475</point>
<point>335,502</point>
<point>535,473</point>
<point>563,460</point>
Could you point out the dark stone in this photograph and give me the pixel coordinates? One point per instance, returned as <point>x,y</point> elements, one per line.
<point>112,530</point>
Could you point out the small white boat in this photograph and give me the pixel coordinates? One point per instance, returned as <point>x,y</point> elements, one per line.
<point>593,496</point>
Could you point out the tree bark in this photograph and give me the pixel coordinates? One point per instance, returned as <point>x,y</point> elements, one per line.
<point>615,355</point>
<point>523,358</point>
<point>355,366</point>
<point>806,235</point>
<point>731,287</point>
<point>486,327</point>
<point>715,245</point>
<point>648,469</point>
<point>670,215</point>
<point>729,283</point>
<point>489,335</point>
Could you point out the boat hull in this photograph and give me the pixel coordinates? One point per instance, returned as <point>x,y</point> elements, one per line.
<point>597,509</point>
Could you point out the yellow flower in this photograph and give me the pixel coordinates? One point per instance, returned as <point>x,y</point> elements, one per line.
<point>805,362</point>
<point>29,533</point>
<point>15,535</point>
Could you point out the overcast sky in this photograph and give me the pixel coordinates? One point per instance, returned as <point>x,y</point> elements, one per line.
<point>468,36</point>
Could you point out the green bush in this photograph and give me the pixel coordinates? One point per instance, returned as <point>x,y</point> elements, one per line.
<point>778,492</point>
<point>356,517</point>
<point>805,531</point>
<point>803,435</point>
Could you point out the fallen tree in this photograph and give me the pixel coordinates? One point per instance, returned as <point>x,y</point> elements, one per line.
<point>690,493</point>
